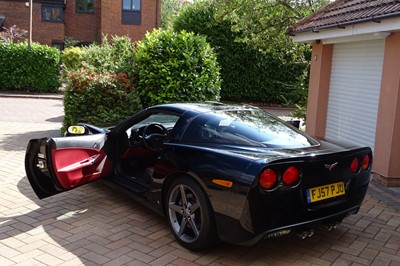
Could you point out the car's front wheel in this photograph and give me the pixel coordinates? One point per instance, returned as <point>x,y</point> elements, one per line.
<point>190,215</point>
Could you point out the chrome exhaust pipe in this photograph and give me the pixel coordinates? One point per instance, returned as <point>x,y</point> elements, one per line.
<point>330,226</point>
<point>305,233</point>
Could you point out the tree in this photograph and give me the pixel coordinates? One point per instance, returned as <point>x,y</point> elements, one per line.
<point>263,23</point>
<point>169,10</point>
<point>259,62</point>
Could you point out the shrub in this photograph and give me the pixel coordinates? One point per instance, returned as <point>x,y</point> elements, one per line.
<point>115,56</point>
<point>100,88</point>
<point>122,55</point>
<point>247,74</point>
<point>70,41</point>
<point>72,57</point>
<point>98,98</point>
<point>98,55</point>
<point>32,69</point>
<point>12,34</point>
<point>176,67</point>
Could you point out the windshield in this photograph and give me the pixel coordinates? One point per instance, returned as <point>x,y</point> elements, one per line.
<point>252,127</point>
<point>166,120</point>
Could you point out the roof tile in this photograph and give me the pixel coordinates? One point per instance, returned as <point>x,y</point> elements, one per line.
<point>344,12</point>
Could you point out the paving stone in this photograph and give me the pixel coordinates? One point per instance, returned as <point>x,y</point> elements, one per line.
<point>116,253</point>
<point>143,257</point>
<point>95,225</point>
<point>183,262</point>
<point>164,260</point>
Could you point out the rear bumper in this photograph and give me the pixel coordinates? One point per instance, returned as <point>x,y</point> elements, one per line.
<point>265,215</point>
<point>243,237</point>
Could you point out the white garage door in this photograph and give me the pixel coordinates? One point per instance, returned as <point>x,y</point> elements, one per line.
<point>354,91</point>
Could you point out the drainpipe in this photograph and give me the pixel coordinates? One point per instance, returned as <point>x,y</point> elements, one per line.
<point>157,13</point>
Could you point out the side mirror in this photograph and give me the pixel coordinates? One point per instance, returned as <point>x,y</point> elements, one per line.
<point>76,130</point>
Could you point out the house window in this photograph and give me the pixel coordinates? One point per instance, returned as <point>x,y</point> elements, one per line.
<point>2,18</point>
<point>131,12</point>
<point>52,14</point>
<point>133,5</point>
<point>84,6</point>
<point>57,44</point>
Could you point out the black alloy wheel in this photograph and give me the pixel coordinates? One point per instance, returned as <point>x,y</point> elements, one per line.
<point>190,215</point>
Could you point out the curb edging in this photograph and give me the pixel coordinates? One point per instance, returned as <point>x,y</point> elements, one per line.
<point>33,96</point>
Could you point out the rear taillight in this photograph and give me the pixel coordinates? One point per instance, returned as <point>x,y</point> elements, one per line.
<point>272,178</point>
<point>291,176</point>
<point>355,166</point>
<point>366,162</point>
<point>268,179</point>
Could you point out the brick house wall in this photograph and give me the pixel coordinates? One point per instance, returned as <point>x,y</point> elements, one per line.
<point>45,32</point>
<point>9,9</point>
<point>17,13</point>
<point>111,20</point>
<point>85,27</point>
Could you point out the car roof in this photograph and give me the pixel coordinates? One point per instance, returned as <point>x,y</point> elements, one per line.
<point>200,108</point>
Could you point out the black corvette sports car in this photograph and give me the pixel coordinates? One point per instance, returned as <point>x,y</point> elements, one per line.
<point>217,172</point>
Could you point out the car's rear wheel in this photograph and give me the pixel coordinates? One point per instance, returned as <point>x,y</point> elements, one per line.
<point>190,215</point>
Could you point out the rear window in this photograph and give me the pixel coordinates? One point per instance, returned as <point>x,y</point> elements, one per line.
<point>252,127</point>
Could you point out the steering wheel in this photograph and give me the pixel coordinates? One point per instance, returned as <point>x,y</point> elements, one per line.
<point>153,136</point>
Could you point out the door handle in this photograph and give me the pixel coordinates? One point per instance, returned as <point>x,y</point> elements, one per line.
<point>90,160</point>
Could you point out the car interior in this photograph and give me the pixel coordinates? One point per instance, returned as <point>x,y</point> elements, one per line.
<point>141,146</point>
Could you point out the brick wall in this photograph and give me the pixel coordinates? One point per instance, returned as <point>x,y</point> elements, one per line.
<point>45,32</point>
<point>17,13</point>
<point>83,26</point>
<point>86,27</point>
<point>111,19</point>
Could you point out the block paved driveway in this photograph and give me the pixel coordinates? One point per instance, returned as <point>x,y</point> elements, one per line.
<point>95,225</point>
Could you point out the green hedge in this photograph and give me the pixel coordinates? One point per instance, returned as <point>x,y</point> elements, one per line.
<point>165,66</point>
<point>71,57</point>
<point>247,74</point>
<point>176,67</point>
<point>33,70</point>
<point>100,83</point>
<point>99,99</point>
<point>115,56</point>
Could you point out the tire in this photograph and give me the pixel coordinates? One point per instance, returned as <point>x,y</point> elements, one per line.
<point>190,215</point>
